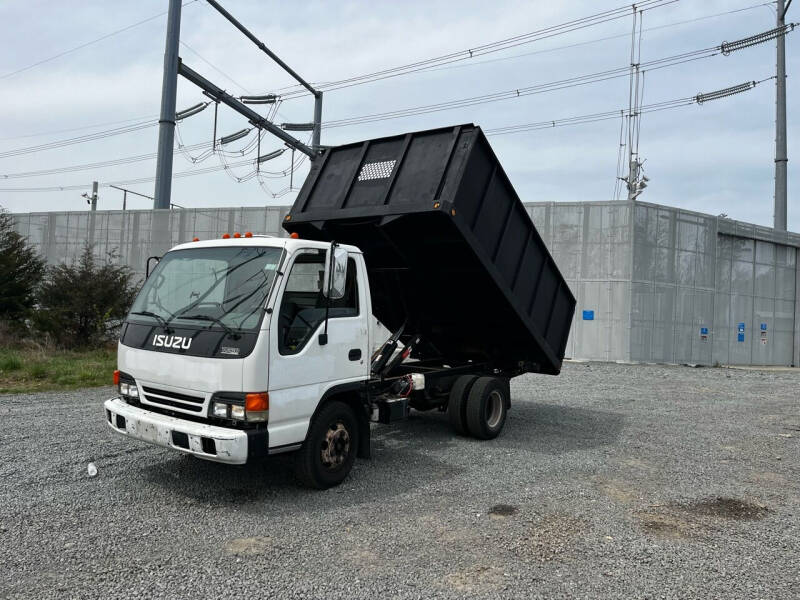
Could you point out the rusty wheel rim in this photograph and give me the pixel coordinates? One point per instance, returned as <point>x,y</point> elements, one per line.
<point>335,446</point>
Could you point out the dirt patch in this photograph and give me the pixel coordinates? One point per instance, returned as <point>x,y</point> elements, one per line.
<point>666,525</point>
<point>618,491</point>
<point>475,579</point>
<point>696,519</point>
<point>501,511</point>
<point>552,536</point>
<point>728,508</point>
<point>252,546</point>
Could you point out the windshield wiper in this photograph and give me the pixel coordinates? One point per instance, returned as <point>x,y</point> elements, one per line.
<point>227,329</point>
<point>146,313</point>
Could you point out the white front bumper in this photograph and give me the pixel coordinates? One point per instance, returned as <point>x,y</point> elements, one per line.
<point>230,444</point>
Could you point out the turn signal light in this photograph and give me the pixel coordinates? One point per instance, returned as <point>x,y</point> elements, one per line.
<point>256,402</point>
<point>226,236</point>
<point>116,378</point>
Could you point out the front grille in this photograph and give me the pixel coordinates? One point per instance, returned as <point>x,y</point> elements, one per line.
<point>173,399</point>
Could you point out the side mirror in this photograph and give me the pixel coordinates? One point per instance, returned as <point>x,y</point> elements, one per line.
<point>333,289</point>
<point>147,265</point>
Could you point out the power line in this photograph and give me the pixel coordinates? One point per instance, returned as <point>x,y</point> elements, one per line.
<point>434,68</point>
<point>86,44</point>
<point>615,114</point>
<point>217,69</point>
<point>488,48</point>
<point>491,97</point>
<point>80,139</point>
<point>180,174</point>
<point>526,91</point>
<point>593,41</point>
<point>562,84</point>
<point>81,128</point>
<point>518,128</point>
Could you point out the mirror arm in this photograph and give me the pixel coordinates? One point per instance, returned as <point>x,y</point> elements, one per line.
<point>323,337</point>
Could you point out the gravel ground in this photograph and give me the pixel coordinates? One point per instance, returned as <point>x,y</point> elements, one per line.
<point>610,481</point>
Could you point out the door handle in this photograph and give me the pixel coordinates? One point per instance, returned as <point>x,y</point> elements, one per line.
<point>354,354</point>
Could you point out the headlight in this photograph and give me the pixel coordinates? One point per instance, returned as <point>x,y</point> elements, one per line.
<point>127,387</point>
<point>251,407</point>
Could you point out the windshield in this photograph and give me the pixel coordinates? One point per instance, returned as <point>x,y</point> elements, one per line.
<point>210,287</point>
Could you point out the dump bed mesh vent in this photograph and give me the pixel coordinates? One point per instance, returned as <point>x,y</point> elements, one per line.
<point>376,170</point>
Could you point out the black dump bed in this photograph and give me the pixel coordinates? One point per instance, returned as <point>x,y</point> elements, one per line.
<point>448,245</point>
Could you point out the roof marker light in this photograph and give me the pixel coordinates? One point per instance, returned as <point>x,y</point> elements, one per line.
<point>196,239</point>
<point>248,234</point>
<point>226,236</point>
<point>294,235</point>
<point>237,235</point>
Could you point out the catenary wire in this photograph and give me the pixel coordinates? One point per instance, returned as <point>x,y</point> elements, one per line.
<point>86,44</point>
<point>488,48</point>
<point>509,129</point>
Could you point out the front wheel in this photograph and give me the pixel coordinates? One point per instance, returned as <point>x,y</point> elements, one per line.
<point>328,454</point>
<point>486,408</point>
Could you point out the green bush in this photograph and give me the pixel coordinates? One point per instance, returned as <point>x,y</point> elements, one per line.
<point>81,304</point>
<point>10,361</point>
<point>38,371</point>
<point>21,271</point>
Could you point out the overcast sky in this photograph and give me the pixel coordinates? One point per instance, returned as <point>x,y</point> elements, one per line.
<point>713,158</point>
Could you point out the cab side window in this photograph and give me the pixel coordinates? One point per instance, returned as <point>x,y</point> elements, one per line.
<point>303,304</point>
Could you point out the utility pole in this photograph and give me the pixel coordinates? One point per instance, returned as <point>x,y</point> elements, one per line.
<point>781,159</point>
<point>94,195</point>
<point>166,122</point>
<point>634,183</point>
<point>93,198</point>
<point>315,135</point>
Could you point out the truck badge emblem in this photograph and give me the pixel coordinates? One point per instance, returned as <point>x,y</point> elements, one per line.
<point>172,341</point>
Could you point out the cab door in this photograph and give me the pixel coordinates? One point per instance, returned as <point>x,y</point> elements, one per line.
<point>302,369</point>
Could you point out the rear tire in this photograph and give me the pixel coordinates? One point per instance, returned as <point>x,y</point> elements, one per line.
<point>457,403</point>
<point>486,408</point>
<point>328,454</point>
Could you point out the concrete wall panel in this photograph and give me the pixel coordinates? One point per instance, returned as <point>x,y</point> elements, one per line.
<point>654,277</point>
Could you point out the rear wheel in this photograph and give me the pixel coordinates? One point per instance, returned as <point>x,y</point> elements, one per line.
<point>486,408</point>
<point>457,403</point>
<point>329,451</point>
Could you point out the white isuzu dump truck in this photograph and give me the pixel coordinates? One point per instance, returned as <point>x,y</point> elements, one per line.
<point>246,346</point>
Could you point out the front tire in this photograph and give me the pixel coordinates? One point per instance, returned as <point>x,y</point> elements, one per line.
<point>486,408</point>
<point>328,454</point>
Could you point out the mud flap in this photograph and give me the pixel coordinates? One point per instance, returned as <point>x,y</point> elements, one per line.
<point>364,441</point>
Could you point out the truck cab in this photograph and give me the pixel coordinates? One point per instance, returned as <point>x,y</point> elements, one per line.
<point>221,356</point>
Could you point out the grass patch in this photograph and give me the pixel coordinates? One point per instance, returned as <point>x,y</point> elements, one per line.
<point>23,371</point>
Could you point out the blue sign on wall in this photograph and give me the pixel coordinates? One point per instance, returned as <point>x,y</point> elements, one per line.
<point>763,327</point>
<point>588,315</point>
<point>740,337</point>
<point>741,329</point>
<point>704,331</point>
